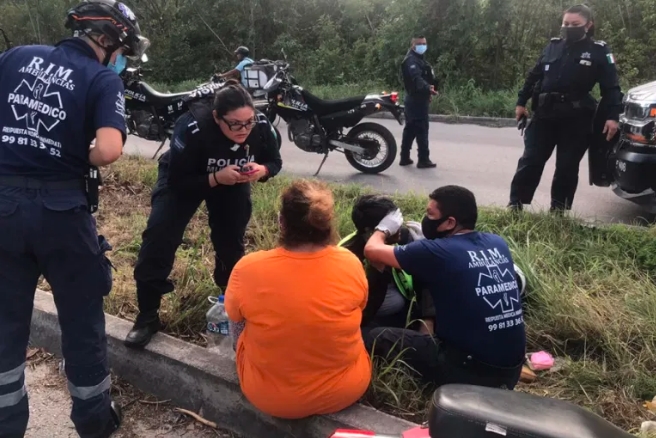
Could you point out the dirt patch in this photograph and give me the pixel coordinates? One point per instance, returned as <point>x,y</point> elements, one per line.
<point>143,415</point>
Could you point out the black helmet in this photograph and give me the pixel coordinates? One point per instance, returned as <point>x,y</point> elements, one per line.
<point>112,19</point>
<point>242,50</point>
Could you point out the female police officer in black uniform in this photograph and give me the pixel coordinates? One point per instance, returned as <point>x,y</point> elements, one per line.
<point>217,149</point>
<point>560,85</point>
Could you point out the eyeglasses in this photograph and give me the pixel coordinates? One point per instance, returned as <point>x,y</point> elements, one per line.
<point>238,126</point>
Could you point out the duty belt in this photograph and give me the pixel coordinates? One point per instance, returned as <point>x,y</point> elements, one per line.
<point>36,184</point>
<point>557,101</point>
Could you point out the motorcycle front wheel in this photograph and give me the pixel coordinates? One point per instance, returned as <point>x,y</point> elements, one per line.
<point>379,159</point>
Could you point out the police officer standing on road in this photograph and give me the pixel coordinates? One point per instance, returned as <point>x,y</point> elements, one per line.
<point>53,102</point>
<point>560,85</point>
<point>219,147</point>
<point>420,84</point>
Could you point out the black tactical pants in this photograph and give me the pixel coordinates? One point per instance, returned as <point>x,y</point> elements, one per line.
<point>229,210</point>
<point>416,127</point>
<point>571,136</point>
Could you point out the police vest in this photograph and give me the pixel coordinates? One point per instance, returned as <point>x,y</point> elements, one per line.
<point>51,100</point>
<point>402,279</point>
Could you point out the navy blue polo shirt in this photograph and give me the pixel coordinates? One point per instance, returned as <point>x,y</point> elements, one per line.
<point>52,102</point>
<point>471,278</point>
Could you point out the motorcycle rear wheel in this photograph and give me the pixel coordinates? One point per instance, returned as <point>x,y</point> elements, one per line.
<point>386,142</point>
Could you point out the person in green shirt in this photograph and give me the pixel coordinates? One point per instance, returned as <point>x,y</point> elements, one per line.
<point>395,298</point>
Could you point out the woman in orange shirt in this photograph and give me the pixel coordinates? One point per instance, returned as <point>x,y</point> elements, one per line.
<point>301,352</point>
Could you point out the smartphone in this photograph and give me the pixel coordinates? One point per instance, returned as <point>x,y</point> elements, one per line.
<point>247,170</point>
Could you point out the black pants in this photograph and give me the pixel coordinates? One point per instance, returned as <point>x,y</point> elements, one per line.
<point>51,232</point>
<point>416,127</point>
<point>229,210</point>
<point>436,363</point>
<point>572,136</point>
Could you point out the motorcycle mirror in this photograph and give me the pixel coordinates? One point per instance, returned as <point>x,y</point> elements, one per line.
<point>144,58</point>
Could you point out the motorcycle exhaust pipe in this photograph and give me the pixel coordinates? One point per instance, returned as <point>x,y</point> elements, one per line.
<point>348,147</point>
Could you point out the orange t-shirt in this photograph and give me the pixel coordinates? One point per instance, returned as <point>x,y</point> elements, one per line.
<point>301,352</point>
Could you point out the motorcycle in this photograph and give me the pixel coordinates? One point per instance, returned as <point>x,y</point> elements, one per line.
<point>467,411</point>
<point>627,163</point>
<point>316,125</point>
<point>151,115</point>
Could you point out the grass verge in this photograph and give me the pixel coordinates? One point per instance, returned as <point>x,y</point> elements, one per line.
<point>591,292</point>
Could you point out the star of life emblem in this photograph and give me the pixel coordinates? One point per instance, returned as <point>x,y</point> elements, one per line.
<point>37,105</point>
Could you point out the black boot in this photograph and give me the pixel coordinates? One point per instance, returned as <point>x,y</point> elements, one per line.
<point>405,159</point>
<point>426,164</point>
<point>117,419</point>
<point>146,325</point>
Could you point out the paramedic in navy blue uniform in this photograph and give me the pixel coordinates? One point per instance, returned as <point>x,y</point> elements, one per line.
<point>211,143</point>
<point>559,86</point>
<point>53,102</point>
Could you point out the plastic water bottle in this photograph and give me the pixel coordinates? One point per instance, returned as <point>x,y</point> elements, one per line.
<point>218,326</point>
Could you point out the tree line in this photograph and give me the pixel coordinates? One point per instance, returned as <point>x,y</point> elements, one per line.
<point>489,44</point>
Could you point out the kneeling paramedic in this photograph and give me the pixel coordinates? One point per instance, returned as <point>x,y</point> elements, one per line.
<point>54,101</point>
<point>218,148</point>
<point>393,300</point>
<point>479,327</point>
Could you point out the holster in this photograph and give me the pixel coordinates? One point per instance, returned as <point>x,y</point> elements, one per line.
<point>93,182</point>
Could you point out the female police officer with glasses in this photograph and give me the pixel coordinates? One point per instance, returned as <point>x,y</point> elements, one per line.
<point>560,85</point>
<point>217,149</point>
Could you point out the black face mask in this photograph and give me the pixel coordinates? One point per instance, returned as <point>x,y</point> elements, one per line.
<point>429,228</point>
<point>572,34</point>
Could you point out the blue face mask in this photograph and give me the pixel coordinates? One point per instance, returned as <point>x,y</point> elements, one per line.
<point>120,64</point>
<point>421,49</point>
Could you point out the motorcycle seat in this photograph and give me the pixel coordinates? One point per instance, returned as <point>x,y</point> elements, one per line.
<point>324,107</point>
<point>469,411</point>
<point>156,98</point>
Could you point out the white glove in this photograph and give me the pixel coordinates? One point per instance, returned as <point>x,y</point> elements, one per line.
<point>391,224</point>
<point>415,230</point>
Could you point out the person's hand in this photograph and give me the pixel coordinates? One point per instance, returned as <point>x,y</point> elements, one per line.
<point>610,129</point>
<point>415,230</point>
<point>229,176</point>
<point>260,171</point>
<point>391,224</point>
<point>520,111</point>
<point>433,91</point>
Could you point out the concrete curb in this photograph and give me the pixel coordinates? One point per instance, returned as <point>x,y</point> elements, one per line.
<point>194,379</point>
<point>490,122</point>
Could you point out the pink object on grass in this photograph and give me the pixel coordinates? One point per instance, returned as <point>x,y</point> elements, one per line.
<point>541,360</point>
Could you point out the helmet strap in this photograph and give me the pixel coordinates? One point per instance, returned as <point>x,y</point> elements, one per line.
<point>108,50</point>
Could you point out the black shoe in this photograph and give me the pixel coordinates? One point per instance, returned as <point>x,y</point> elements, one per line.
<point>143,330</point>
<point>426,164</point>
<point>405,161</point>
<point>117,419</point>
<point>515,206</point>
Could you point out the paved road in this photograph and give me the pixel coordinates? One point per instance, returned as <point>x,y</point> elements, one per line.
<point>479,158</point>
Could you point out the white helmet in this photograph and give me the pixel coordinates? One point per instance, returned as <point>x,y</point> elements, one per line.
<point>521,280</point>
